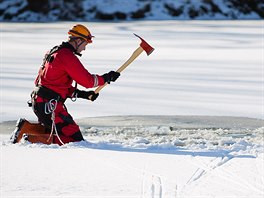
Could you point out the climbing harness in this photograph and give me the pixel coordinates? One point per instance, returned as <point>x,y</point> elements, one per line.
<point>50,95</point>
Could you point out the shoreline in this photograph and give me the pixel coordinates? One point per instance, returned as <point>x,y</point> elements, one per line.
<point>176,121</point>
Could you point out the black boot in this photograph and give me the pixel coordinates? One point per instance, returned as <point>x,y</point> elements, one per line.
<point>17,130</point>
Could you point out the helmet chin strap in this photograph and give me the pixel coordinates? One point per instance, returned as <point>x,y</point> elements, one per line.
<point>77,46</point>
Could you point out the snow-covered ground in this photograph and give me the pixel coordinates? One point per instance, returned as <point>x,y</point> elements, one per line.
<point>187,121</point>
<point>197,68</point>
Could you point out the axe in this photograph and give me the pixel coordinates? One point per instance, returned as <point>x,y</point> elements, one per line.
<point>144,46</point>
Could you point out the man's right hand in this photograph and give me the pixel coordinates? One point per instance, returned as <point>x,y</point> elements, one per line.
<point>111,76</point>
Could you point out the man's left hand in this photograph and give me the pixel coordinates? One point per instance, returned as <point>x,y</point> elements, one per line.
<point>89,95</point>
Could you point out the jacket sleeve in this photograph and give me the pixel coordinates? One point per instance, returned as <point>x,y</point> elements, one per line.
<point>77,72</point>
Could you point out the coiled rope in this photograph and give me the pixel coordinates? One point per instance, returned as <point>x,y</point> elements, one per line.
<point>50,108</point>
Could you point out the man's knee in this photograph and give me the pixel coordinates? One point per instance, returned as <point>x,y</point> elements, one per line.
<point>77,136</point>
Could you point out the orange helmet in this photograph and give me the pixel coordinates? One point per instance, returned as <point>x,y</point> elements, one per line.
<point>81,31</point>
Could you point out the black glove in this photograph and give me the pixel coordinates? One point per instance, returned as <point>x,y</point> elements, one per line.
<point>89,95</point>
<point>111,76</point>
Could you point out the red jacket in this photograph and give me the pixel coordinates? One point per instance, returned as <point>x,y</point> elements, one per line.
<point>59,74</point>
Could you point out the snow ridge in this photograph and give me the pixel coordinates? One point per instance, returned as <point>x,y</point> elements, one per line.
<point>168,134</point>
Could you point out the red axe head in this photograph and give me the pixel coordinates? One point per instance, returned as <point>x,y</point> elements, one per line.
<point>146,47</point>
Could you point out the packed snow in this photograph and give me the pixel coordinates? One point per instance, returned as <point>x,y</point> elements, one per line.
<point>186,121</point>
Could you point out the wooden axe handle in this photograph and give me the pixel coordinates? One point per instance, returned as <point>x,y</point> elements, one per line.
<point>135,54</point>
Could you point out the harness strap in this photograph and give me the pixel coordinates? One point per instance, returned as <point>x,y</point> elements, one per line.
<point>47,93</point>
<point>49,57</point>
